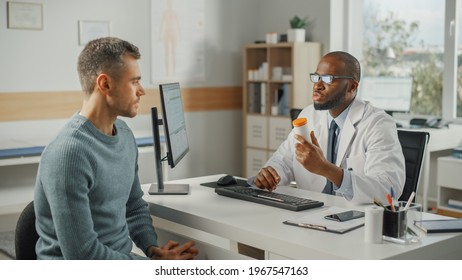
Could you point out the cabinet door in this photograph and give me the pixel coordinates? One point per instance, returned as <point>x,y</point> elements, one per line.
<point>255,159</point>
<point>257,131</point>
<point>449,180</point>
<point>279,129</point>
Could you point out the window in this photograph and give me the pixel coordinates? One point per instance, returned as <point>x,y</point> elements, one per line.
<point>406,39</point>
<point>459,60</point>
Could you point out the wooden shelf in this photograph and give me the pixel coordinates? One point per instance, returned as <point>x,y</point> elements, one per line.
<point>265,127</point>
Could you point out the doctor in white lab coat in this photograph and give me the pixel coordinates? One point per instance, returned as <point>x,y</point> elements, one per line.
<point>369,157</point>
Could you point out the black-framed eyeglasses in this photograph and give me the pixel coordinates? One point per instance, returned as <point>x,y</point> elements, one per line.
<point>328,79</point>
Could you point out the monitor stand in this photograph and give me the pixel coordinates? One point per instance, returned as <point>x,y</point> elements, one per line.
<point>154,189</point>
<point>160,188</point>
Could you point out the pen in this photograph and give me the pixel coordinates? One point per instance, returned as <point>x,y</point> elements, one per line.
<point>391,202</point>
<point>412,232</point>
<point>392,194</point>
<point>408,203</point>
<point>312,226</point>
<point>378,203</point>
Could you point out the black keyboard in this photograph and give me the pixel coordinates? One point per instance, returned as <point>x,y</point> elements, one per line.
<point>269,198</point>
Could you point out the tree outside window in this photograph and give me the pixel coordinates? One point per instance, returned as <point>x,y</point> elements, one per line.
<point>395,47</point>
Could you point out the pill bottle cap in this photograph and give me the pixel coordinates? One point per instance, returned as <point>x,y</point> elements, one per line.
<point>299,122</point>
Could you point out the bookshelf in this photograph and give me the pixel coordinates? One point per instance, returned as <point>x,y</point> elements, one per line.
<point>275,79</point>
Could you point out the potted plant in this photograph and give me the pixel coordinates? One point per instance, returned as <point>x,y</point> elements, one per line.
<point>297,31</point>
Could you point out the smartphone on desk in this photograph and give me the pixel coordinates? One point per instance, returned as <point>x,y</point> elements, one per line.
<point>345,216</point>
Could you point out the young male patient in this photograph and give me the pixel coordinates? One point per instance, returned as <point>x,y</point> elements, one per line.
<point>88,198</point>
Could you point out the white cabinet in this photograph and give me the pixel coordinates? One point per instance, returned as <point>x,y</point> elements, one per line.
<point>279,128</point>
<point>255,159</point>
<point>257,132</point>
<point>449,181</point>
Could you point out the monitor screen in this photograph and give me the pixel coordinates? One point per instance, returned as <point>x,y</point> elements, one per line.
<point>392,94</point>
<point>174,123</point>
<point>175,137</point>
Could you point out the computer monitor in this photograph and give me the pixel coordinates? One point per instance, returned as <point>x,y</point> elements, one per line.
<point>392,94</point>
<point>175,137</point>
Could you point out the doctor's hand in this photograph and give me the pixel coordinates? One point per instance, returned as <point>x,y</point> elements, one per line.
<point>267,178</point>
<point>311,156</point>
<point>173,251</point>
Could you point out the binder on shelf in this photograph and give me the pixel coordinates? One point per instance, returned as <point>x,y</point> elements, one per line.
<point>436,226</point>
<point>250,96</point>
<point>254,98</point>
<point>455,204</point>
<point>286,103</point>
<point>262,98</point>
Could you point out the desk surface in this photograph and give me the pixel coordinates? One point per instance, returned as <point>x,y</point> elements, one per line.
<point>261,226</point>
<point>442,138</point>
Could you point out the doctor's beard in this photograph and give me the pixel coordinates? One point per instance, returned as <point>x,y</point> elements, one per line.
<point>336,100</point>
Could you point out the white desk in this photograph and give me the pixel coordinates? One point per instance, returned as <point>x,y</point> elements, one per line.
<point>225,221</point>
<point>444,139</point>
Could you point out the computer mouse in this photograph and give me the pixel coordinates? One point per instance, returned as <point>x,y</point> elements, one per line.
<point>227,180</point>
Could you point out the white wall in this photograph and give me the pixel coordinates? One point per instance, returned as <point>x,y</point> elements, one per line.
<point>46,60</point>
<point>274,16</point>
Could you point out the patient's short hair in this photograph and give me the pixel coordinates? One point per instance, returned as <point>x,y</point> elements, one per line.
<point>103,55</point>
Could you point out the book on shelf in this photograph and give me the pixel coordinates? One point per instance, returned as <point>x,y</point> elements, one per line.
<point>287,99</point>
<point>250,97</point>
<point>455,204</point>
<point>256,98</point>
<point>253,98</point>
<point>262,98</point>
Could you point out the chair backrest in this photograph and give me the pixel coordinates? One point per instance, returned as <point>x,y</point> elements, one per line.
<point>294,112</point>
<point>26,235</point>
<point>413,144</point>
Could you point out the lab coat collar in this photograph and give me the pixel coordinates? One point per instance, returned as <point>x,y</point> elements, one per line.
<point>348,132</point>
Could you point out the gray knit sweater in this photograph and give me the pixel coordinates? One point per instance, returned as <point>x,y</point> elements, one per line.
<point>88,199</point>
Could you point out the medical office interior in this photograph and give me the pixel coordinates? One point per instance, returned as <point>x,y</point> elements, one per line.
<point>40,90</point>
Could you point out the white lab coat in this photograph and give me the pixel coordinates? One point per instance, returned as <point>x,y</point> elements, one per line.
<point>368,146</point>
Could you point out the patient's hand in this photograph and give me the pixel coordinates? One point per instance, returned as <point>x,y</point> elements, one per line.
<point>173,251</point>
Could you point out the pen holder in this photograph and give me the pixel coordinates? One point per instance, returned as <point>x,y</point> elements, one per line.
<point>395,223</point>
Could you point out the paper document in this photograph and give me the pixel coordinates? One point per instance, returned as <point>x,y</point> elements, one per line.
<point>318,222</point>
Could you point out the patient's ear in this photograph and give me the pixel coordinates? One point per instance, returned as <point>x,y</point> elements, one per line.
<point>103,83</point>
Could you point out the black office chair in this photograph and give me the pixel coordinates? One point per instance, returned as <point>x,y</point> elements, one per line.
<point>413,144</point>
<point>26,235</point>
<point>294,112</point>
